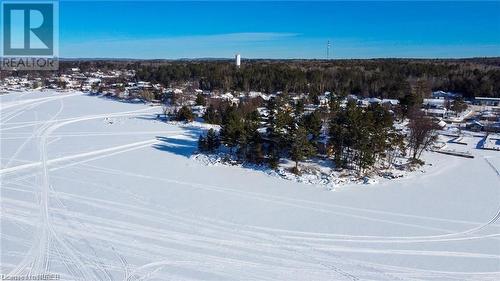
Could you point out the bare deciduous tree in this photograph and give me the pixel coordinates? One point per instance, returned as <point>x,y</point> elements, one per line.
<point>422,132</point>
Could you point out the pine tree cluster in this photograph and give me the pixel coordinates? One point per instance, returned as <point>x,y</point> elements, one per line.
<point>354,137</point>
<point>361,137</point>
<point>210,142</point>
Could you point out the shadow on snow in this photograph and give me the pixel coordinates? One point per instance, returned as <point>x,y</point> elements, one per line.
<point>185,146</point>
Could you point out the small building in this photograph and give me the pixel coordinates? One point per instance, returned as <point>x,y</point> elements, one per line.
<point>493,127</point>
<point>489,115</point>
<point>374,101</point>
<point>445,95</point>
<point>487,101</point>
<point>442,124</point>
<point>390,102</point>
<point>434,103</point>
<point>435,112</point>
<point>474,126</point>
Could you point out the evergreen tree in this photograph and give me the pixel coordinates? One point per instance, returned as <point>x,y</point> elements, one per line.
<point>364,144</point>
<point>410,101</point>
<point>202,144</point>
<point>337,134</point>
<point>353,130</point>
<point>232,128</point>
<point>213,141</point>
<point>301,148</point>
<point>299,108</point>
<point>212,116</point>
<point>333,104</point>
<point>458,105</point>
<point>285,123</point>
<point>273,137</point>
<point>210,143</point>
<point>274,157</point>
<point>185,114</point>
<point>314,97</point>
<point>250,137</point>
<point>312,123</point>
<point>200,100</point>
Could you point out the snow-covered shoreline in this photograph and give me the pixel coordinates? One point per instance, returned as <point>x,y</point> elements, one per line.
<point>326,177</point>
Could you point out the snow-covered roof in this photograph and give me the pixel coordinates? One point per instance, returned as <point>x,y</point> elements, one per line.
<point>374,100</point>
<point>443,94</point>
<point>351,97</point>
<point>436,110</point>
<point>391,101</point>
<point>227,96</point>
<point>487,99</point>
<point>434,102</point>
<point>254,94</point>
<point>475,122</point>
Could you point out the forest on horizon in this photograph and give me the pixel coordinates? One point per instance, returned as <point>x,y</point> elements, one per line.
<point>385,78</point>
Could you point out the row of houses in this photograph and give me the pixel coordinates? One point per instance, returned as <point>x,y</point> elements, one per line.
<point>486,101</point>
<point>73,79</point>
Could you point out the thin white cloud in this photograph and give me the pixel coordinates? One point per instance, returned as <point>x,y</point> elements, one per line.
<point>265,45</point>
<point>176,46</point>
<point>226,37</point>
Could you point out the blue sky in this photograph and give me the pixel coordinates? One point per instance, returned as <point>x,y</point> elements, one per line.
<point>158,29</point>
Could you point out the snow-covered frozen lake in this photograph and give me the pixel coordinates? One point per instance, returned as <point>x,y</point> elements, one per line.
<point>95,189</point>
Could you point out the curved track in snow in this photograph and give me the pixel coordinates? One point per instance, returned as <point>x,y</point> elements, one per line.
<point>96,217</point>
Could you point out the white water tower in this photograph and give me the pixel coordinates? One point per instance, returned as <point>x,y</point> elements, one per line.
<point>238,60</point>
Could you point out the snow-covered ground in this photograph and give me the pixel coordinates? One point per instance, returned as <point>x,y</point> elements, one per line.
<point>95,189</point>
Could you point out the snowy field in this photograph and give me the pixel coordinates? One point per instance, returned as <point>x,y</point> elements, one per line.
<point>95,189</point>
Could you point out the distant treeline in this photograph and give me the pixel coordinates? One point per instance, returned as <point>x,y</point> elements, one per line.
<point>387,78</point>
